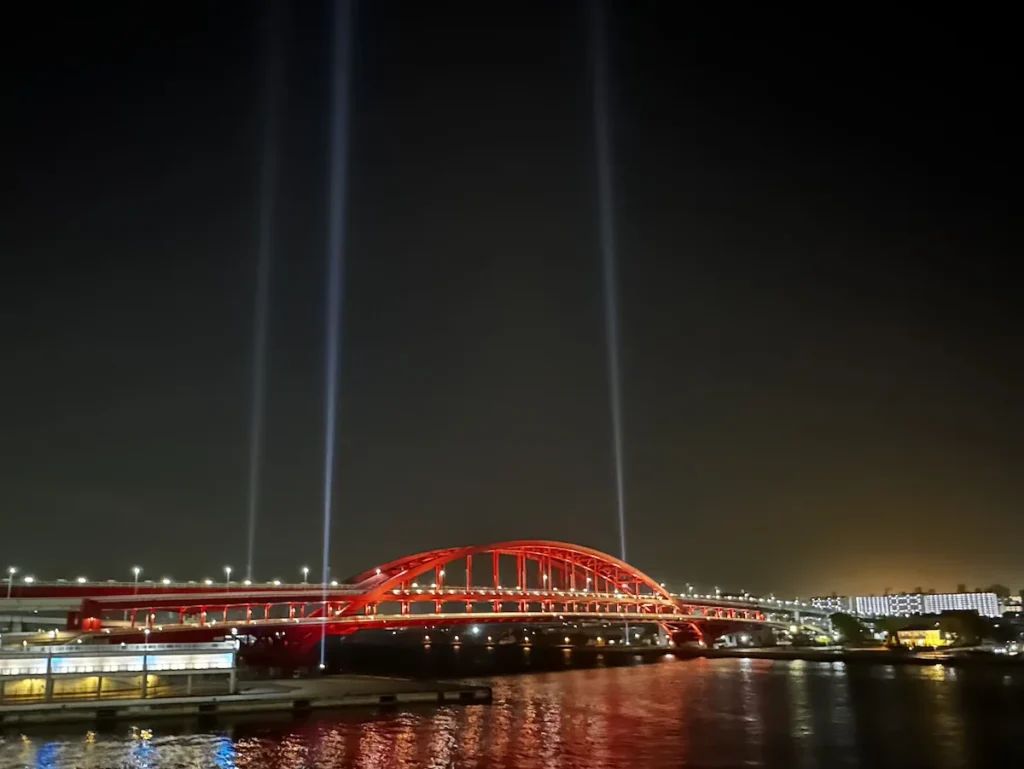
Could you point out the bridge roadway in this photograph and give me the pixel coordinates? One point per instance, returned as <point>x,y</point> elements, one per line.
<point>551,580</point>
<point>65,597</point>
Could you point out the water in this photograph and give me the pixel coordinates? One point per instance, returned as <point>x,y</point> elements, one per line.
<point>336,216</point>
<point>692,713</point>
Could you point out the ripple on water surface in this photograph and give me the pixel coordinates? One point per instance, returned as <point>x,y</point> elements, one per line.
<point>697,713</point>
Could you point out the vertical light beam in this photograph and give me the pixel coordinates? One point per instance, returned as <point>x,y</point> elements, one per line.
<point>272,77</point>
<point>606,217</point>
<point>339,126</point>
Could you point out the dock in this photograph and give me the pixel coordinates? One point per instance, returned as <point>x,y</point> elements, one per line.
<point>297,696</point>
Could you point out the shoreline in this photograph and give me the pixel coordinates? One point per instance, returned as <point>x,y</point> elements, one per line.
<point>296,696</point>
<point>857,656</point>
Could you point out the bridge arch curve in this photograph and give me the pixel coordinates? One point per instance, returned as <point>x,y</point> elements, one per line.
<point>562,558</point>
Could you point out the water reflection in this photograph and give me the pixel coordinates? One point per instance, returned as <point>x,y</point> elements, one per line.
<point>677,713</point>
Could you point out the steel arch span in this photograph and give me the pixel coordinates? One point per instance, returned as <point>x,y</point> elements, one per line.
<point>545,572</point>
<point>531,581</point>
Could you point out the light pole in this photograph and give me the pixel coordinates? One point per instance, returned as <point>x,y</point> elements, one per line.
<point>11,571</point>
<point>305,573</point>
<point>227,574</point>
<point>136,571</point>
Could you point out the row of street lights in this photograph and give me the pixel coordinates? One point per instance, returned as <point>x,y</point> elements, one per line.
<point>136,572</point>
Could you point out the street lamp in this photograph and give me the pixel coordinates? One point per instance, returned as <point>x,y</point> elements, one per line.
<point>227,573</point>
<point>136,571</point>
<point>305,573</point>
<point>11,571</point>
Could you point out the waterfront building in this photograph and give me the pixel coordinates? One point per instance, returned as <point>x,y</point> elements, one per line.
<point>101,671</point>
<point>908,604</point>
<point>931,637</point>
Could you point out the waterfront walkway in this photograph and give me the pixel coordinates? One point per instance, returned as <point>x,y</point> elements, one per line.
<point>298,696</point>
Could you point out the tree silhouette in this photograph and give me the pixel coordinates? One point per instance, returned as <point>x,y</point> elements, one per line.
<point>1002,591</point>
<point>850,628</point>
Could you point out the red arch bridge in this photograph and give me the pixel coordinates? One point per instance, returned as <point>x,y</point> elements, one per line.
<point>527,581</point>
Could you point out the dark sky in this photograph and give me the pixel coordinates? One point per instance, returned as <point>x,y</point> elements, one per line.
<point>817,228</point>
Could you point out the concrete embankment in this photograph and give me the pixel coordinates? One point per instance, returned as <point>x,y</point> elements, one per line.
<point>297,696</point>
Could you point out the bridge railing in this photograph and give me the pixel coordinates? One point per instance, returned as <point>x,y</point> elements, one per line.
<point>92,649</point>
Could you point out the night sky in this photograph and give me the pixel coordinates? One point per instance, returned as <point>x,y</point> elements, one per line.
<point>817,222</point>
